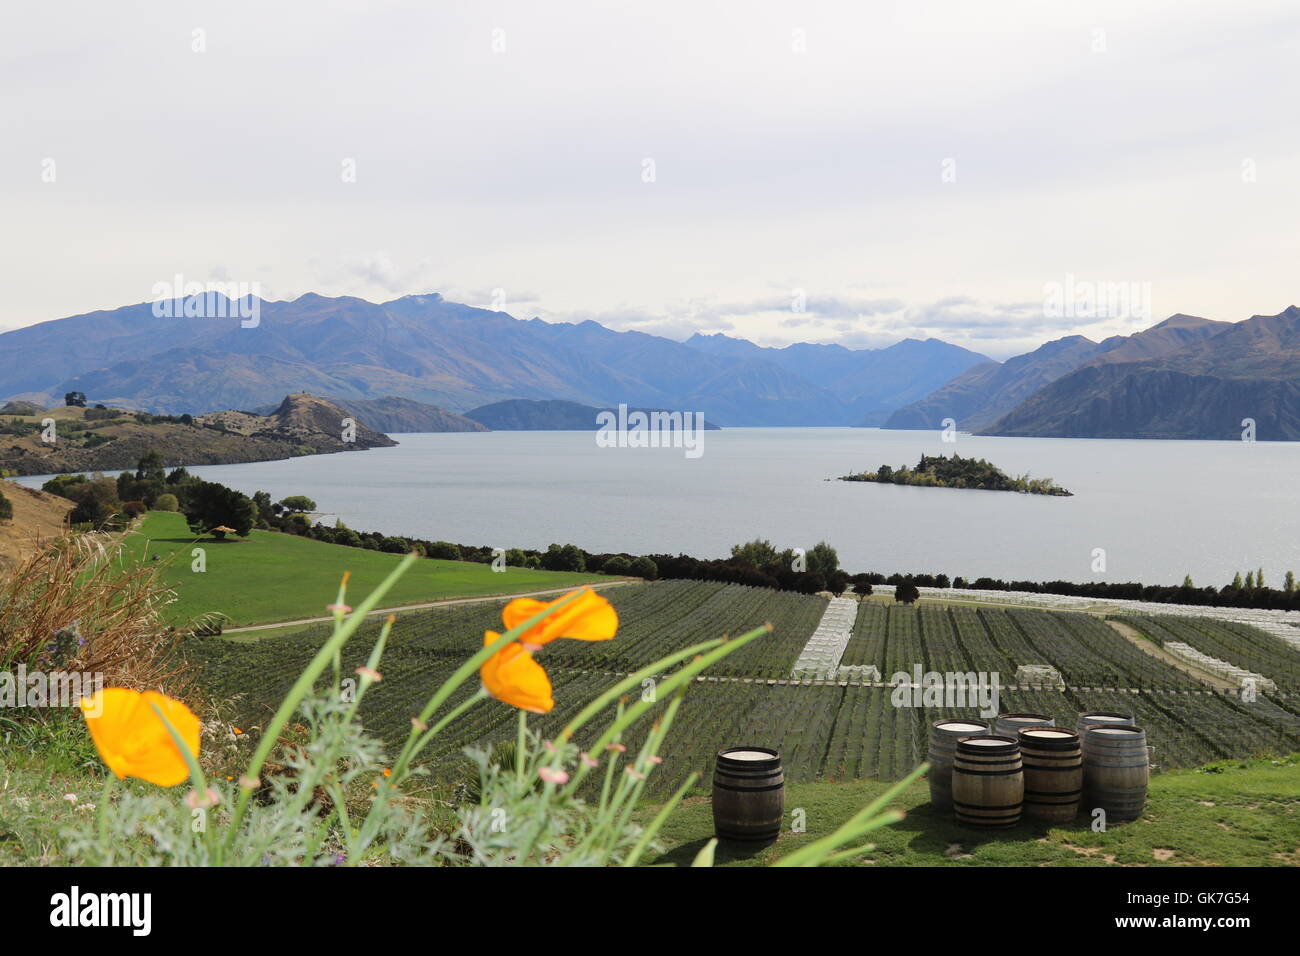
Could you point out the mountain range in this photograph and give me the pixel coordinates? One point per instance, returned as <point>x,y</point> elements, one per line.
<point>431,351</point>
<point>1186,377</point>
<point>421,362</point>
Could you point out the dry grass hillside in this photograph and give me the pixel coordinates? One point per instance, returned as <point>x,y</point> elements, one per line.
<point>37,517</point>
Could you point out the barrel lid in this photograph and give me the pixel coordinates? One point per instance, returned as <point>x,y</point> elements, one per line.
<point>748,753</point>
<point>959,724</point>
<point>1022,717</point>
<point>1105,717</point>
<point>994,743</point>
<point>1116,731</point>
<point>1046,732</point>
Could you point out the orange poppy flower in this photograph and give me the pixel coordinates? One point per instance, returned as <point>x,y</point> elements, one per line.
<point>133,741</point>
<point>513,677</point>
<point>589,617</point>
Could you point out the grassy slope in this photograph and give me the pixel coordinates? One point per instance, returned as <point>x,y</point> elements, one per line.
<point>280,577</point>
<point>1233,813</point>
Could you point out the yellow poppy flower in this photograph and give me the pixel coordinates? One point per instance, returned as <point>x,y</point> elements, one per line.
<point>587,618</point>
<point>133,741</point>
<point>513,677</point>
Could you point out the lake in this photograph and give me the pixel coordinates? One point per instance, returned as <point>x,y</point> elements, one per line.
<point>1159,509</point>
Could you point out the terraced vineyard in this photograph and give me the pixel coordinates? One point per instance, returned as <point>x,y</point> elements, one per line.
<point>1239,644</point>
<point>823,729</point>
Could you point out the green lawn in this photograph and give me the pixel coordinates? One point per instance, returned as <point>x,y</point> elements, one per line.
<point>279,577</point>
<point>1234,813</point>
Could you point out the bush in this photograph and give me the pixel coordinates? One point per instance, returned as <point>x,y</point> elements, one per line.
<point>166,502</point>
<point>347,537</point>
<point>644,567</point>
<point>395,545</point>
<point>617,565</point>
<point>444,550</point>
<point>568,557</point>
<point>134,509</point>
<point>6,508</point>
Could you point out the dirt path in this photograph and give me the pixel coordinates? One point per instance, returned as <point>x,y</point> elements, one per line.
<point>1156,651</point>
<point>478,599</point>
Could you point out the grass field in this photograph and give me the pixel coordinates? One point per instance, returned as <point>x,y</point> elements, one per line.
<point>1243,813</point>
<point>280,577</point>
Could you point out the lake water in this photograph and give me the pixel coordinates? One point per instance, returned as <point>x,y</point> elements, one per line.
<point>1159,509</point>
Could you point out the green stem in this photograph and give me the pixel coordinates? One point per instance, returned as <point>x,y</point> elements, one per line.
<point>300,690</point>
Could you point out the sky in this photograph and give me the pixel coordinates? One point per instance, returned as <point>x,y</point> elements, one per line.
<point>995,174</point>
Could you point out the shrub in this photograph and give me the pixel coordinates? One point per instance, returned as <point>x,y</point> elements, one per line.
<point>166,502</point>
<point>644,567</point>
<point>75,604</point>
<point>134,509</point>
<point>568,557</point>
<point>347,537</point>
<point>617,565</point>
<point>444,550</point>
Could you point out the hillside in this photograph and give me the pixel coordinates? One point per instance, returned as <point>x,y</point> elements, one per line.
<point>278,577</point>
<point>431,351</point>
<point>91,439</point>
<point>979,397</point>
<point>524,415</point>
<point>37,517</point>
<point>1204,390</point>
<point>393,415</point>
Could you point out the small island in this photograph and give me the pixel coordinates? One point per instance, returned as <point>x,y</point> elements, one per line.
<point>938,471</point>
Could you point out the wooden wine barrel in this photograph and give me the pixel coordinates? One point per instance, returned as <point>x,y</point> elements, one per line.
<point>943,746</point>
<point>748,795</point>
<point>1100,718</point>
<point>988,783</point>
<point>1053,765</point>
<point>1008,725</point>
<point>1115,772</point>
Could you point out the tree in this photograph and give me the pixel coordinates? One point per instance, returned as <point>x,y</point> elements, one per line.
<point>862,588</point>
<point>810,583</point>
<point>907,592</point>
<point>166,502</point>
<point>568,557</point>
<point>644,567</point>
<point>1250,580</point>
<point>1187,581</point>
<point>823,560</point>
<point>444,550</point>
<point>1259,578</point>
<point>757,552</point>
<point>837,582</point>
<point>348,537</point>
<point>75,399</point>
<point>1289,584</point>
<point>616,565</point>
<point>211,505</point>
<point>64,486</point>
<point>296,504</point>
<point>6,508</point>
<point>1236,581</point>
<point>97,502</point>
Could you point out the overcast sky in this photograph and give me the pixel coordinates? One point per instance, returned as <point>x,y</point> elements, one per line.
<point>903,168</point>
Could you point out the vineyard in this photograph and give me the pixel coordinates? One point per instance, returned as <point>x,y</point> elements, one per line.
<point>824,729</point>
<point>1238,644</point>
